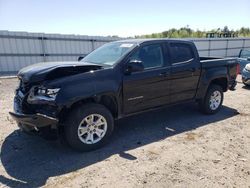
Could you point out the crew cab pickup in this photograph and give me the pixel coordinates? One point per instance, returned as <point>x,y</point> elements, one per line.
<point>79,101</point>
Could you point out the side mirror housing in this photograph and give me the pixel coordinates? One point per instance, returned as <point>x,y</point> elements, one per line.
<point>134,66</point>
<point>80,58</point>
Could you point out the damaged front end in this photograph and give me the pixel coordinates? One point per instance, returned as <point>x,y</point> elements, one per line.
<point>34,112</point>
<point>35,106</point>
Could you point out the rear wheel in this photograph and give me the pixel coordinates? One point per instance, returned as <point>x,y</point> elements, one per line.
<point>213,100</point>
<point>89,127</point>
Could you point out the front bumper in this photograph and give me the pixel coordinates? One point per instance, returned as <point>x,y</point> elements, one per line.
<point>29,122</point>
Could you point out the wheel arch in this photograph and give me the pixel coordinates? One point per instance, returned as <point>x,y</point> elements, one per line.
<point>107,100</point>
<point>205,83</point>
<point>222,81</point>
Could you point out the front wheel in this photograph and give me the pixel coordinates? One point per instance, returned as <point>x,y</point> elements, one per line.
<point>213,100</point>
<point>89,127</point>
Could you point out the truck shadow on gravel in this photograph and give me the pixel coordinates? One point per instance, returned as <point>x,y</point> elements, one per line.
<point>246,87</point>
<point>30,161</point>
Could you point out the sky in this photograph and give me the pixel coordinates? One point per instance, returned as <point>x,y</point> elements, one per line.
<point>123,18</point>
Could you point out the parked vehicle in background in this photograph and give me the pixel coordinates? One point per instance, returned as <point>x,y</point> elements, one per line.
<point>80,100</point>
<point>244,59</point>
<point>246,75</point>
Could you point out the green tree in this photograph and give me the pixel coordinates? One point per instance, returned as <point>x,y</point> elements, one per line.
<point>186,32</point>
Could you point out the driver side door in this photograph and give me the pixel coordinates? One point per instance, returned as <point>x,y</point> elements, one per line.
<point>148,88</point>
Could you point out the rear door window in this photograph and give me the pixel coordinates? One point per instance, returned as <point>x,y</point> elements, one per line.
<point>180,53</point>
<point>150,55</point>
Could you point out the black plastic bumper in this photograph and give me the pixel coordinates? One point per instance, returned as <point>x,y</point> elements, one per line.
<point>33,121</point>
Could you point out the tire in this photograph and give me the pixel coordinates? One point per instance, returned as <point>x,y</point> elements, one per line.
<point>83,124</point>
<point>212,104</point>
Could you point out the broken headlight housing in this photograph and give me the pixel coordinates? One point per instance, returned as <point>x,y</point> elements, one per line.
<point>41,94</point>
<point>52,93</point>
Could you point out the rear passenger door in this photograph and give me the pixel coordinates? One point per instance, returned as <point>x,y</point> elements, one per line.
<point>185,71</point>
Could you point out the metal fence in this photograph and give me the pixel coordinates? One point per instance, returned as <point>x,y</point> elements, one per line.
<point>19,49</point>
<point>221,47</point>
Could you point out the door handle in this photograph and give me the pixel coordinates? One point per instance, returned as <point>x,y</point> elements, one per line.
<point>163,74</point>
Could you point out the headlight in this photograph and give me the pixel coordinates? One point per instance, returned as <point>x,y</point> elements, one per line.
<point>41,94</point>
<point>47,92</point>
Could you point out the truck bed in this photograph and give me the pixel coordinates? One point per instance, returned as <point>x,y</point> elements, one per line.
<point>207,62</point>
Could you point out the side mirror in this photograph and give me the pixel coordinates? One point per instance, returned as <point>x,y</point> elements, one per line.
<point>80,58</point>
<point>134,66</point>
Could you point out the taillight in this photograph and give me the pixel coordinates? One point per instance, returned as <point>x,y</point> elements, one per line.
<point>238,69</point>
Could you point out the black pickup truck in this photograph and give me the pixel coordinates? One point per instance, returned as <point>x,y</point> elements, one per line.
<point>79,101</point>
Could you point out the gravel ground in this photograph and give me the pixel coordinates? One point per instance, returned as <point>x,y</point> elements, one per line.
<point>174,147</point>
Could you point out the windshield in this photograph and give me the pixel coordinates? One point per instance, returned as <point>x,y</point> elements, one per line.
<point>109,53</point>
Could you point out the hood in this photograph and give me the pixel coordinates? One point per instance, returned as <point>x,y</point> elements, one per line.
<point>52,70</point>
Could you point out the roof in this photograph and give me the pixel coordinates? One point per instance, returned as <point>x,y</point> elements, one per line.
<point>139,41</point>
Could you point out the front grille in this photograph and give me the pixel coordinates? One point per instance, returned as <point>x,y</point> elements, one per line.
<point>19,100</point>
<point>18,104</point>
<point>21,96</point>
<point>24,87</point>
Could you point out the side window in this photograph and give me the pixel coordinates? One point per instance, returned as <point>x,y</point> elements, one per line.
<point>151,56</point>
<point>180,52</point>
